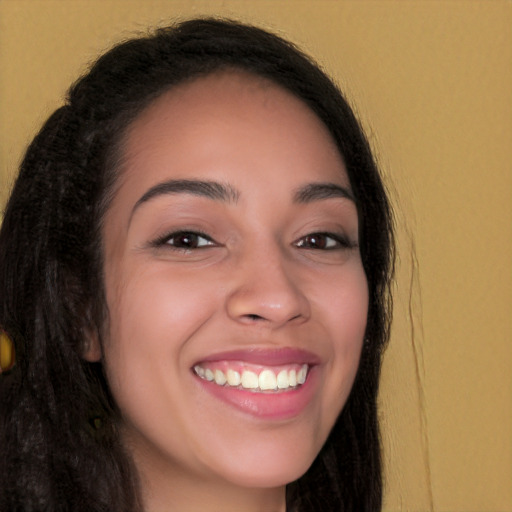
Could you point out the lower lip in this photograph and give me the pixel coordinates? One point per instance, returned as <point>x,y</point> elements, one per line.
<point>269,405</point>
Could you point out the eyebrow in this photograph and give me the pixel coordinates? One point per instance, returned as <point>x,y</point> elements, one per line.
<point>226,193</point>
<point>210,189</point>
<point>318,191</point>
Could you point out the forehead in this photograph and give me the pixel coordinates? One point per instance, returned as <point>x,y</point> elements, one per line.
<point>230,121</point>
<point>220,94</point>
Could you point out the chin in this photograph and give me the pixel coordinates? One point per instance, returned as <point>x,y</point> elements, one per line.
<point>267,473</point>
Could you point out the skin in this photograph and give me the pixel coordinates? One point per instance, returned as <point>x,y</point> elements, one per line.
<point>256,281</point>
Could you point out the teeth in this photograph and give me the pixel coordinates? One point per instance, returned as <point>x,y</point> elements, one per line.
<point>233,377</point>
<point>301,375</point>
<point>249,380</point>
<point>220,378</point>
<point>267,380</point>
<point>282,380</point>
<point>199,371</point>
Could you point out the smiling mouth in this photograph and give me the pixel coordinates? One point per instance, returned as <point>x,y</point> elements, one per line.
<point>255,378</point>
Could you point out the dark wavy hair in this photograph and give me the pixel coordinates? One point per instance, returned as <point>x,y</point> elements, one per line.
<point>59,448</point>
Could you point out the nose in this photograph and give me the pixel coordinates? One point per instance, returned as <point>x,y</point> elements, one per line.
<point>265,290</point>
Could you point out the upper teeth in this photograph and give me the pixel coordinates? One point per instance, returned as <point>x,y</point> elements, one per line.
<point>267,379</point>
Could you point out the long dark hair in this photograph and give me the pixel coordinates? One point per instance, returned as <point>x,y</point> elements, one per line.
<point>59,448</point>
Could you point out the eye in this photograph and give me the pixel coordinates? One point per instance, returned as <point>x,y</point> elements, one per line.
<point>324,241</point>
<point>186,240</point>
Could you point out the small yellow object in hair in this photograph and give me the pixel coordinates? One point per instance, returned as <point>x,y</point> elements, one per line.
<point>7,357</point>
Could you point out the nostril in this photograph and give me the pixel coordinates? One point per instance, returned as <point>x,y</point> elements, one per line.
<point>254,317</point>
<point>259,302</point>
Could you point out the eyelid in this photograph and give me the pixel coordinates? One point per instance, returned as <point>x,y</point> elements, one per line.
<point>341,241</point>
<point>163,240</point>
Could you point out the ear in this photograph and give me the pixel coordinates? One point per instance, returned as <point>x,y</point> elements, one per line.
<point>92,347</point>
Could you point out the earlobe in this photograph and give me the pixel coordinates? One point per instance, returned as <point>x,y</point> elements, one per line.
<point>92,348</point>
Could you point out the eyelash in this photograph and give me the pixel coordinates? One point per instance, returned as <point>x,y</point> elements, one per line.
<point>333,241</point>
<point>165,240</point>
<point>340,241</point>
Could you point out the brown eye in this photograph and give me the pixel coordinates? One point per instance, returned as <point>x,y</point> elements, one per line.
<point>323,241</point>
<point>188,240</point>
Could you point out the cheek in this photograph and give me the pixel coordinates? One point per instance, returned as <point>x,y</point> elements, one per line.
<point>352,316</point>
<point>342,302</point>
<point>164,302</point>
<point>151,316</point>
<point>345,311</point>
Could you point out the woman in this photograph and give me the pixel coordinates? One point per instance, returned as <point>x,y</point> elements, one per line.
<point>195,263</point>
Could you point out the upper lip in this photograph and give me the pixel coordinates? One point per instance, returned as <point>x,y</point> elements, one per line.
<point>266,356</point>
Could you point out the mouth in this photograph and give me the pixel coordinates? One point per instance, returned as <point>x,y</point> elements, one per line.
<point>255,378</point>
<point>268,384</point>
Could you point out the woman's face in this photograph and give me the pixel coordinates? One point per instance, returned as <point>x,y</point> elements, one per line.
<point>237,299</point>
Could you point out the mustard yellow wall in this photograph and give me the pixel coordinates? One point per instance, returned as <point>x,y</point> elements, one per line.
<point>432,81</point>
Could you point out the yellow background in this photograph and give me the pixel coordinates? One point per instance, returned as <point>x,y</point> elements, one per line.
<point>432,82</point>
